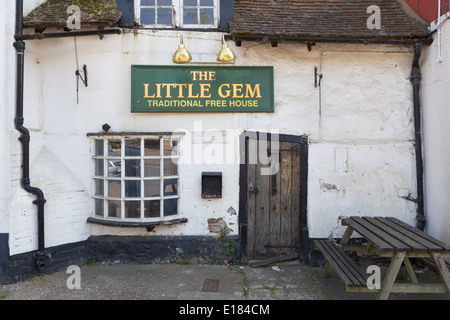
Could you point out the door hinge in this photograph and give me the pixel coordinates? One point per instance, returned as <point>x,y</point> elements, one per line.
<point>294,148</point>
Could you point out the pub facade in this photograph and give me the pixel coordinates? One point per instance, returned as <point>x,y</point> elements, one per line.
<point>204,130</point>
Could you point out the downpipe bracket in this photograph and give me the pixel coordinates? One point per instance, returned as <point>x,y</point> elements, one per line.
<point>421,222</point>
<point>39,202</point>
<point>24,138</point>
<point>19,45</point>
<point>41,257</point>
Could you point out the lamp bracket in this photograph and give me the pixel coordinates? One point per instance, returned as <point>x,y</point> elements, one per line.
<point>79,76</point>
<point>317,77</point>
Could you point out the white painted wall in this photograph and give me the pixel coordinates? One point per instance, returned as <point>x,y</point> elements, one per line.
<point>362,160</point>
<point>20,222</point>
<point>361,152</point>
<point>10,159</point>
<point>436,130</point>
<point>4,33</point>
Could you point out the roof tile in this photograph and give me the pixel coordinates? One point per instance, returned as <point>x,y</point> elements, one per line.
<point>316,19</point>
<point>53,13</point>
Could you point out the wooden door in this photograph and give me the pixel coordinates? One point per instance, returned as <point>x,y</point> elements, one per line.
<point>273,200</point>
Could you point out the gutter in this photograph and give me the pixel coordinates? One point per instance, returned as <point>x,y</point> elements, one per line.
<point>41,36</point>
<point>416,81</point>
<point>426,40</point>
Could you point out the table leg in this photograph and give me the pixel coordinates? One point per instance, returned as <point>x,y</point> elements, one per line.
<point>328,271</point>
<point>411,273</point>
<point>391,275</point>
<point>442,269</point>
<point>346,237</point>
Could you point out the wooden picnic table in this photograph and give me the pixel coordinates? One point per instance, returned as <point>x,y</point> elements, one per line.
<point>388,237</point>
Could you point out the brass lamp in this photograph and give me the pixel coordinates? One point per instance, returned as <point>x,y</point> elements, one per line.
<point>225,55</point>
<point>182,55</point>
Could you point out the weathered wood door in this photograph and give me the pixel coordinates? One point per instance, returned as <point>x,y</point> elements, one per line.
<point>273,199</point>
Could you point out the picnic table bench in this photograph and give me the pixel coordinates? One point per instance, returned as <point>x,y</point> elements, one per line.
<point>386,237</point>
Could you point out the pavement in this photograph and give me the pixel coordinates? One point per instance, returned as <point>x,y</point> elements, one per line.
<point>116,281</point>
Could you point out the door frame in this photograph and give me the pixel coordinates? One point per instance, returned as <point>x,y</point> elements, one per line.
<point>243,188</point>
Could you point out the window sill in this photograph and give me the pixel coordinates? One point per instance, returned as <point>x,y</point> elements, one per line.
<point>156,133</point>
<point>172,28</point>
<point>149,225</point>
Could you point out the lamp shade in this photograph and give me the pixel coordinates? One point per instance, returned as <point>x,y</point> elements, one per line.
<point>225,54</point>
<point>182,55</point>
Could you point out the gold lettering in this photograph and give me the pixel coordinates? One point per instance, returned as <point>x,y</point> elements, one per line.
<point>227,92</point>
<point>237,89</point>
<point>194,75</point>
<point>180,89</point>
<point>168,91</point>
<point>249,93</point>
<point>202,75</point>
<point>190,94</point>
<point>158,90</point>
<point>204,89</point>
<point>146,96</point>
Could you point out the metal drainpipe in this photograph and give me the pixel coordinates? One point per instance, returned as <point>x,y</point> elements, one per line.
<point>416,81</point>
<point>25,137</point>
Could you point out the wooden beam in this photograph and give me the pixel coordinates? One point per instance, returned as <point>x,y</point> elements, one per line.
<point>265,262</point>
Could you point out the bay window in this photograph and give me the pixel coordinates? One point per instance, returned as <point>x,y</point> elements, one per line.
<point>136,177</point>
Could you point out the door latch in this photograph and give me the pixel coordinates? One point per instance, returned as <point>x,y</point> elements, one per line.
<point>252,188</point>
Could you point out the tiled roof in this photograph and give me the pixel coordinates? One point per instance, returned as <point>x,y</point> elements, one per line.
<point>53,13</point>
<point>339,20</point>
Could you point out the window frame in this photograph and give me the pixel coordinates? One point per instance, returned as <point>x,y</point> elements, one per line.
<point>105,198</point>
<point>177,16</point>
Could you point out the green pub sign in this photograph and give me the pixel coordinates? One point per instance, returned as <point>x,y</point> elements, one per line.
<point>201,89</point>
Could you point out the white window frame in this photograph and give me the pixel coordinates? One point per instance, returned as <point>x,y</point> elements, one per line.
<point>177,16</point>
<point>105,178</point>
